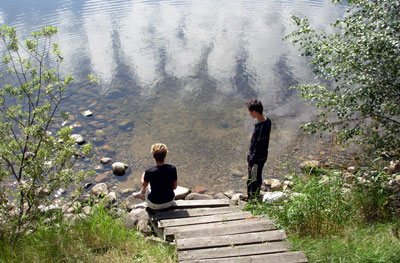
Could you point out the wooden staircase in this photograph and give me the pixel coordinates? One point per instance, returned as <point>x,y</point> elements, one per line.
<point>216,231</point>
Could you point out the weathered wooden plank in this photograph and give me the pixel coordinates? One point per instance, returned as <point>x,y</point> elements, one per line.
<point>231,240</point>
<point>168,231</point>
<point>180,213</point>
<point>239,227</point>
<point>235,251</point>
<point>182,204</point>
<point>203,219</point>
<point>286,257</point>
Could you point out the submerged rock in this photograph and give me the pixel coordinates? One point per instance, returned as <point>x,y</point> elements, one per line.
<point>77,138</point>
<point>87,113</point>
<point>125,124</point>
<point>119,168</point>
<point>105,160</point>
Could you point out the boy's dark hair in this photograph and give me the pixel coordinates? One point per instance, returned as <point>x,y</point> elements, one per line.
<point>255,105</point>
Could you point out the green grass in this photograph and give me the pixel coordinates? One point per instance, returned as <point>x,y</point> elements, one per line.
<point>362,244</point>
<point>100,238</point>
<point>333,225</point>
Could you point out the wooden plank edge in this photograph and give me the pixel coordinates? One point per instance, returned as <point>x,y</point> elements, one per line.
<point>285,257</point>
<point>231,240</point>
<point>234,251</point>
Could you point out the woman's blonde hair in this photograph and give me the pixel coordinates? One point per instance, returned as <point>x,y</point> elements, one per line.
<point>159,151</point>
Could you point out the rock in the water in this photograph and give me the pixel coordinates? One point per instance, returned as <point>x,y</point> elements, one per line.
<point>108,148</point>
<point>196,196</point>
<point>105,160</point>
<point>101,177</point>
<point>100,189</point>
<point>99,133</point>
<point>144,228</point>
<point>78,139</point>
<point>119,168</point>
<point>125,124</point>
<point>181,192</point>
<point>272,196</point>
<point>87,113</point>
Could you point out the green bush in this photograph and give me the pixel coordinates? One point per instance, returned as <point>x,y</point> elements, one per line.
<point>373,196</point>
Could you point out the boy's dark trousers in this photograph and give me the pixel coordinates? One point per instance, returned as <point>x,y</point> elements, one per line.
<point>254,181</point>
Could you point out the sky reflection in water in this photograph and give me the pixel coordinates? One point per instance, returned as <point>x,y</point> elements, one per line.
<point>181,72</point>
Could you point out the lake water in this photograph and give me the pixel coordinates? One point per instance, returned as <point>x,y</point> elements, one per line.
<point>180,72</point>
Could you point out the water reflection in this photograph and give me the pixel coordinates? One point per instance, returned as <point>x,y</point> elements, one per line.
<point>179,72</point>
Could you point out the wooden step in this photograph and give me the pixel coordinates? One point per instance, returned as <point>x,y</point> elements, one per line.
<point>230,240</point>
<point>180,213</point>
<point>169,231</point>
<point>203,219</point>
<point>234,251</point>
<point>230,228</point>
<point>182,204</point>
<point>286,257</point>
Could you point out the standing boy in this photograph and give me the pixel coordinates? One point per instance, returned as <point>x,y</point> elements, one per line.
<point>258,152</point>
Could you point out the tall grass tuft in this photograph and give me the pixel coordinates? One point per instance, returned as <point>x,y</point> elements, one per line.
<point>320,207</point>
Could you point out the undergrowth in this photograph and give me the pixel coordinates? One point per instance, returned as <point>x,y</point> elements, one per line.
<point>334,218</point>
<point>98,238</point>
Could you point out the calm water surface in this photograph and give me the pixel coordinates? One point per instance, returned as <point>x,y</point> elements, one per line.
<point>180,72</point>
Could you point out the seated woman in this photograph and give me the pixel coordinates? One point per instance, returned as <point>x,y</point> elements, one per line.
<point>159,182</point>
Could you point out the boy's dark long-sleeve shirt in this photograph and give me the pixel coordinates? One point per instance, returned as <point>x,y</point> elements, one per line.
<point>258,152</point>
